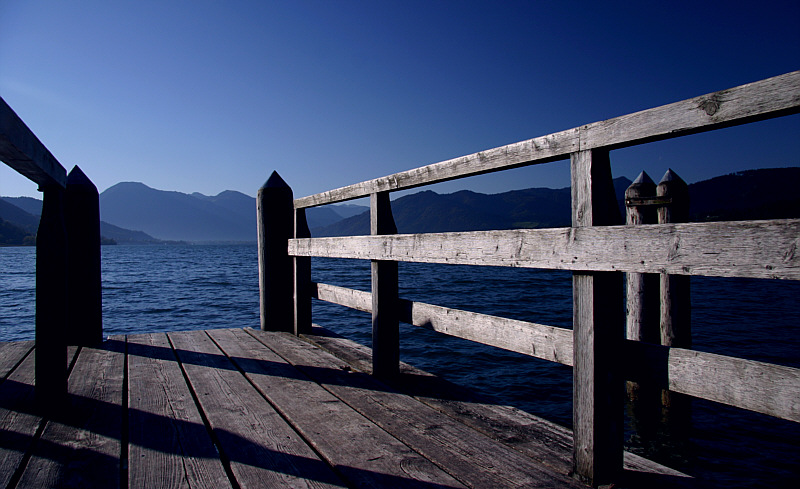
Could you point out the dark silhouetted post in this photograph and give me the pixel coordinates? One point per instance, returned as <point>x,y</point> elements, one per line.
<point>385,320</point>
<point>598,332</point>
<point>82,220</point>
<point>302,278</point>
<point>51,302</point>
<point>275,227</point>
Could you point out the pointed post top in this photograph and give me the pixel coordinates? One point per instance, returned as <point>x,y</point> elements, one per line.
<point>77,178</point>
<point>275,181</point>
<point>643,178</point>
<point>671,176</point>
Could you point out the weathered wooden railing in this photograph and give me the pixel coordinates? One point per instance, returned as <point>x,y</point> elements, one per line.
<point>68,286</point>
<point>597,248</point>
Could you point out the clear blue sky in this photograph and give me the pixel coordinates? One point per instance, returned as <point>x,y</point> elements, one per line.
<point>209,95</point>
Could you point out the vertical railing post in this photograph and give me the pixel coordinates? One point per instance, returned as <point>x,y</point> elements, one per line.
<point>385,322</point>
<point>51,301</point>
<point>301,278</point>
<point>82,220</point>
<point>275,227</point>
<point>598,332</point>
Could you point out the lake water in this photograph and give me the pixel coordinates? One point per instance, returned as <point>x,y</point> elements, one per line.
<point>171,288</point>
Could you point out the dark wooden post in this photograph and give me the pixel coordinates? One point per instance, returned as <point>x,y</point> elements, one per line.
<point>642,317</point>
<point>302,278</point>
<point>385,322</point>
<point>275,226</point>
<point>51,302</point>
<point>598,332</point>
<point>676,308</point>
<point>82,220</point>
<point>676,312</point>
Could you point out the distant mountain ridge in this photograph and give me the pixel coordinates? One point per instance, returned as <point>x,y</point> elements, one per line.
<point>230,216</point>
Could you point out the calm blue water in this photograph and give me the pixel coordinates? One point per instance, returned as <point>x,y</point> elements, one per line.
<point>169,288</point>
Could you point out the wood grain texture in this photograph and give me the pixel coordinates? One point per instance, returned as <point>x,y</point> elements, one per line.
<point>11,354</point>
<point>772,97</point>
<point>757,386</point>
<point>169,445</point>
<point>364,454</point>
<point>529,434</point>
<point>18,418</point>
<point>537,340</point>
<point>539,150</point>
<point>21,150</point>
<point>264,451</point>
<point>598,324</point>
<point>473,458</point>
<point>301,273</point>
<point>755,249</point>
<point>81,447</point>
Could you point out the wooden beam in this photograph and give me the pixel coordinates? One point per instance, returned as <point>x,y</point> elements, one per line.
<point>21,150</point>
<point>764,99</point>
<point>755,249</point>
<point>385,323</point>
<point>598,327</point>
<point>275,225</point>
<point>537,340</point>
<point>747,384</point>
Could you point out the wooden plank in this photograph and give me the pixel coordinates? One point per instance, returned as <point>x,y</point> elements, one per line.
<point>757,386</point>
<point>360,451</point>
<point>11,355</point>
<point>598,322</point>
<point>473,458</point>
<point>537,150</point>
<point>352,298</point>
<point>81,447</point>
<point>19,420</point>
<point>537,340</point>
<point>169,445</point>
<point>755,249</point>
<point>772,97</point>
<point>21,150</point>
<point>536,437</point>
<point>263,450</point>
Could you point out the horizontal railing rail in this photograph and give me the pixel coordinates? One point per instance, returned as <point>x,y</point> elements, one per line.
<point>765,99</point>
<point>596,248</point>
<point>747,384</point>
<point>754,249</point>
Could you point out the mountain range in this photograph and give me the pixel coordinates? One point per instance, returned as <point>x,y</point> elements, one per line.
<point>161,216</point>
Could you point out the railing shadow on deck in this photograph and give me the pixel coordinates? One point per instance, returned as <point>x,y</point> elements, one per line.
<point>598,248</point>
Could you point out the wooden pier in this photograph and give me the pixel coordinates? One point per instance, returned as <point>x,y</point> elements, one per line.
<point>275,408</point>
<point>247,408</point>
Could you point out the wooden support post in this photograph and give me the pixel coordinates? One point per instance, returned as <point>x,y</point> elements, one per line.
<point>642,317</point>
<point>385,320</point>
<point>302,278</point>
<point>676,308</point>
<point>598,332</point>
<point>82,220</point>
<point>51,302</point>
<point>275,226</point>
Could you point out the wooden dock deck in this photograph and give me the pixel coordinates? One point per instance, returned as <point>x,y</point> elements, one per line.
<point>247,408</point>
